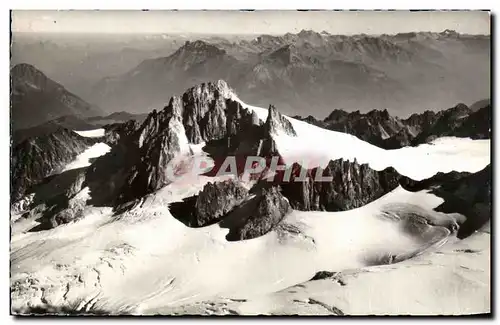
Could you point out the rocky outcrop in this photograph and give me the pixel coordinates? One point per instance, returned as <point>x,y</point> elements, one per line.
<point>204,111</point>
<point>277,123</point>
<point>59,199</point>
<point>401,139</point>
<point>211,205</point>
<point>114,132</point>
<point>159,140</point>
<point>373,127</point>
<point>477,125</point>
<point>446,124</point>
<point>257,216</point>
<point>216,200</point>
<point>351,186</point>
<point>36,158</point>
<point>229,204</point>
<point>137,164</point>
<point>419,121</point>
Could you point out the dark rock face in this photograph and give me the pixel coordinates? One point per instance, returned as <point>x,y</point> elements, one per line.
<point>114,132</point>
<point>477,125</point>
<point>56,200</point>
<point>157,141</point>
<point>227,202</point>
<point>401,139</point>
<point>137,164</point>
<point>204,106</point>
<point>352,186</point>
<point>211,205</point>
<point>417,122</point>
<point>373,127</point>
<point>321,275</point>
<point>70,122</point>
<point>258,216</point>
<point>216,200</point>
<point>36,158</point>
<point>446,124</point>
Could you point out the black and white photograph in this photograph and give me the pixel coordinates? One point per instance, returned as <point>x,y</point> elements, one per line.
<point>250,163</point>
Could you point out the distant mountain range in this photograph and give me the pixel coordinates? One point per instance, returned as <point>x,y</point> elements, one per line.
<point>36,99</point>
<point>316,72</point>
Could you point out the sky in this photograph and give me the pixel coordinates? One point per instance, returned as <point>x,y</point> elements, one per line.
<point>247,22</point>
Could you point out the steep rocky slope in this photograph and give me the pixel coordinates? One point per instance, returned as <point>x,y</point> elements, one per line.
<point>35,99</point>
<point>351,186</point>
<point>36,158</point>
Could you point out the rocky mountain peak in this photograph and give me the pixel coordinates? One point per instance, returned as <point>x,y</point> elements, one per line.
<point>459,109</point>
<point>201,48</point>
<point>27,72</point>
<point>283,55</point>
<point>277,123</point>
<point>353,185</point>
<point>175,106</point>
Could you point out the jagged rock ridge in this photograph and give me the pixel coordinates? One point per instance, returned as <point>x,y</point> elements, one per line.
<point>351,186</point>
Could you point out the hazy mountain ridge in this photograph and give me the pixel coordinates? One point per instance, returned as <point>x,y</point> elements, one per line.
<point>35,98</point>
<point>319,72</point>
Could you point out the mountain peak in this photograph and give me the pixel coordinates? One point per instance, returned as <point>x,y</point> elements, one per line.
<point>307,32</point>
<point>202,46</point>
<point>278,123</point>
<point>27,72</point>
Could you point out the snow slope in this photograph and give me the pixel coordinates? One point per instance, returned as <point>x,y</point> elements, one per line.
<point>315,146</point>
<point>453,280</point>
<point>82,160</point>
<point>91,133</point>
<point>145,260</point>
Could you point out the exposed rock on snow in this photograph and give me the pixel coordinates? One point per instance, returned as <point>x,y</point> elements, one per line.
<point>352,185</point>
<point>216,200</point>
<point>257,216</point>
<point>211,204</point>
